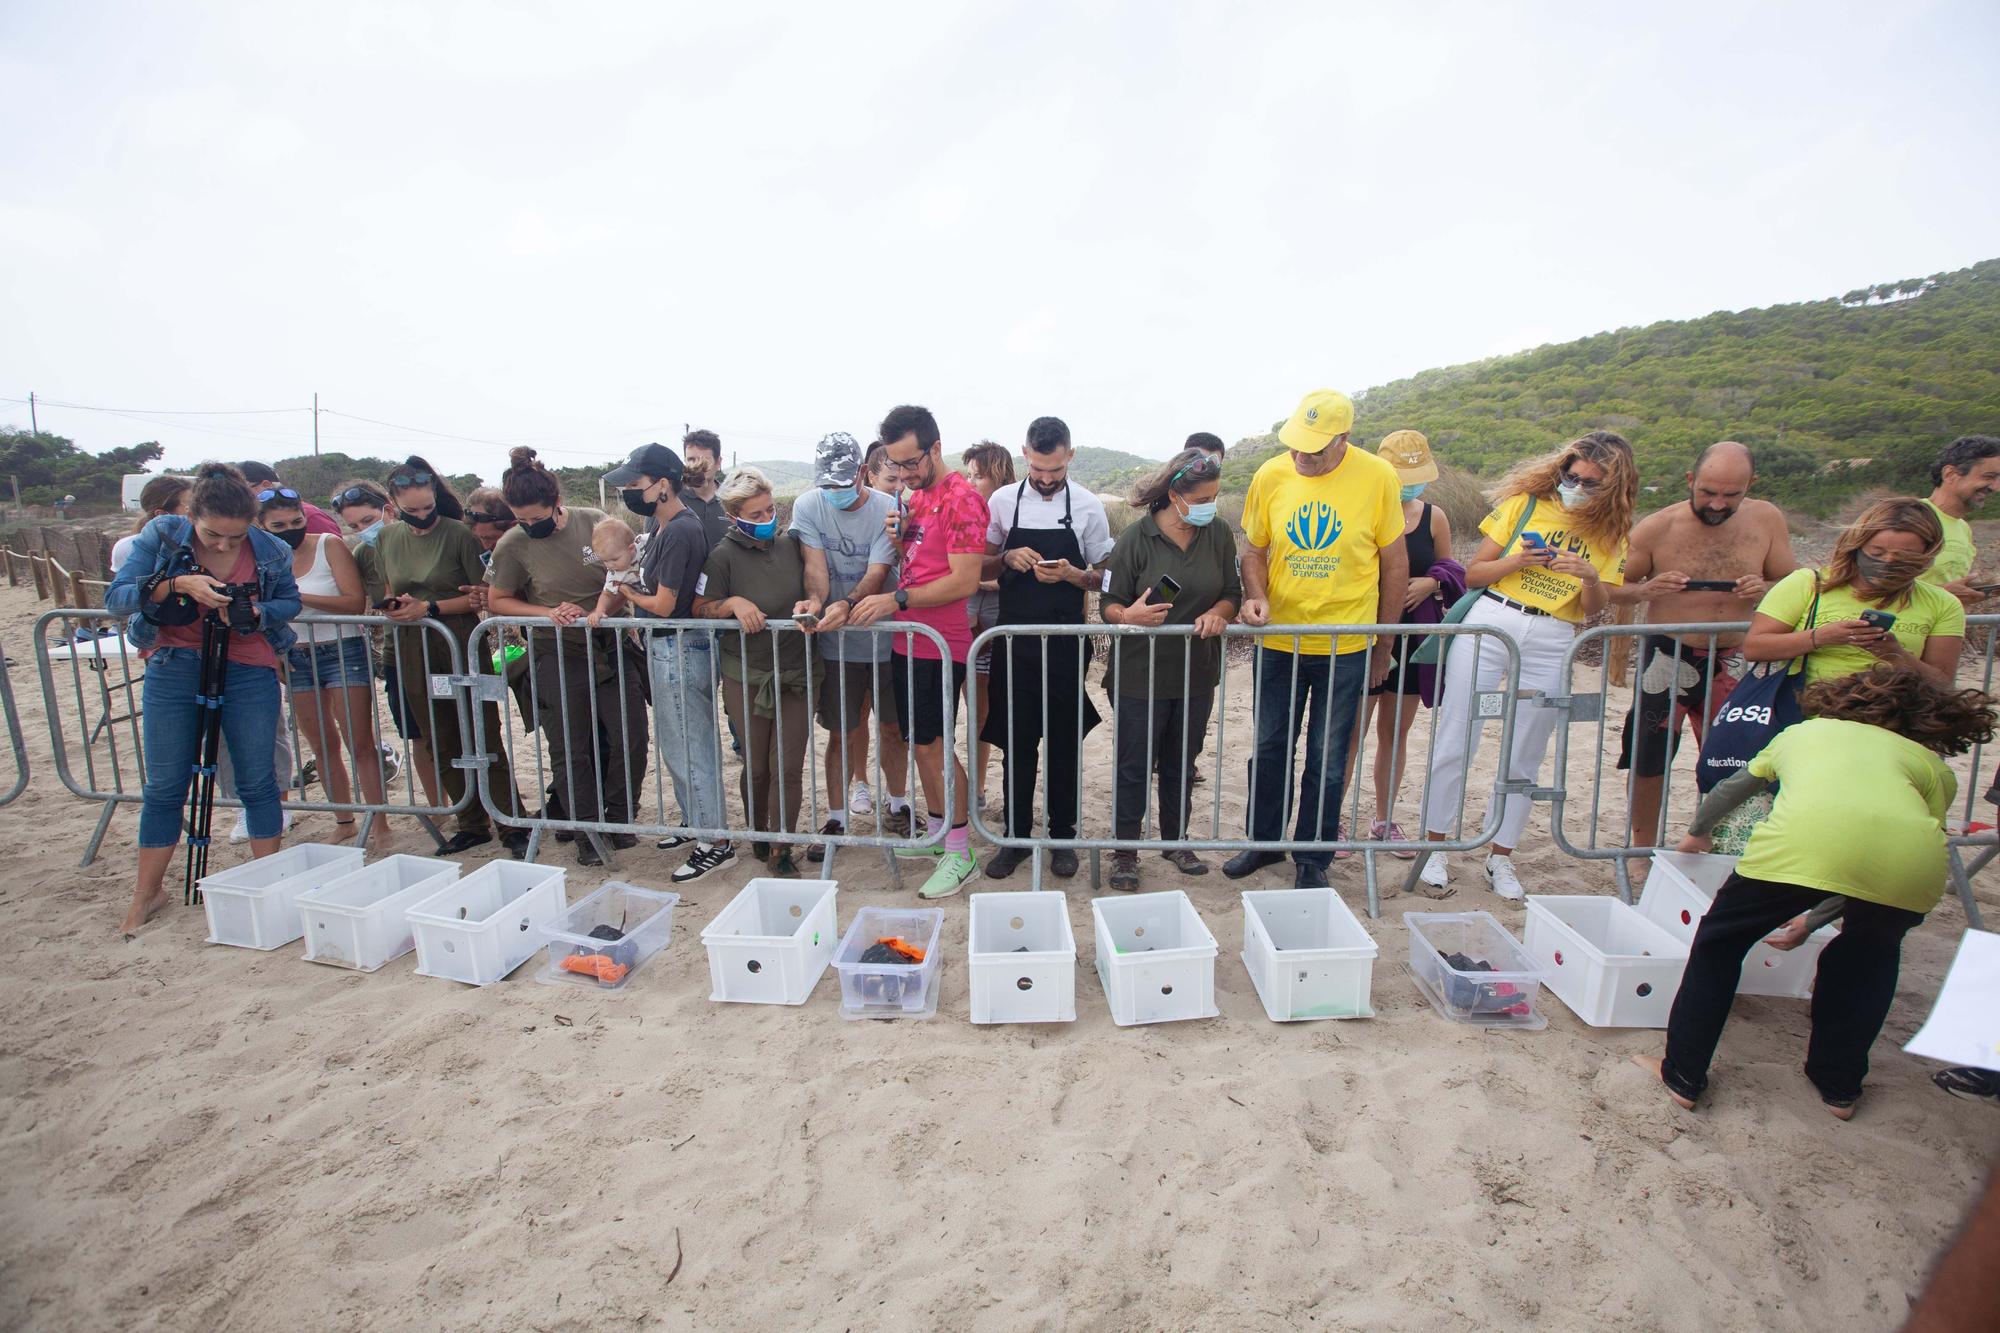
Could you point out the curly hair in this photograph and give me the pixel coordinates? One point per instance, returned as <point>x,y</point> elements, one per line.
<point>1907,702</point>
<point>1914,517</point>
<point>1606,518</point>
<point>994,462</point>
<point>527,482</point>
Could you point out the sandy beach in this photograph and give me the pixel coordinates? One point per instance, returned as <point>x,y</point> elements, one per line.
<point>198,1137</point>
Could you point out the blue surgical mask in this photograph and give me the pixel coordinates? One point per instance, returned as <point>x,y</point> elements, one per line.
<point>763,532</point>
<point>1412,492</point>
<point>1201,515</point>
<point>1571,495</point>
<point>839,499</point>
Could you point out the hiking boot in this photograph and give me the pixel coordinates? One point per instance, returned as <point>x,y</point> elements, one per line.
<point>1124,876</point>
<point>704,860</point>
<point>1063,862</point>
<point>1185,861</point>
<point>953,869</point>
<point>1005,862</point>
<point>816,852</point>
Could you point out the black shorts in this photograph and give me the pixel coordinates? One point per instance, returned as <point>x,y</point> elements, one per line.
<point>919,686</point>
<point>1404,676</point>
<point>847,690</point>
<point>1700,687</point>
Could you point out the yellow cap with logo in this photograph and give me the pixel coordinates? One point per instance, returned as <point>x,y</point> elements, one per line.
<point>1409,453</point>
<point>1321,415</point>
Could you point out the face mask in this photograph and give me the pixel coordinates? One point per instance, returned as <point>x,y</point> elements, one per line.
<point>540,528</point>
<point>420,523</point>
<point>763,532</point>
<point>1200,515</point>
<point>635,500</point>
<point>840,499</point>
<point>1572,496</point>
<point>292,537</point>
<point>1881,573</point>
<point>1412,492</point>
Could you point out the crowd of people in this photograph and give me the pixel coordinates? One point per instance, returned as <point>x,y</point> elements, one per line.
<point>891,536</point>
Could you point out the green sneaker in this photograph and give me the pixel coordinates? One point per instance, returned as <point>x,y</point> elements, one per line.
<point>953,869</point>
<point>931,852</point>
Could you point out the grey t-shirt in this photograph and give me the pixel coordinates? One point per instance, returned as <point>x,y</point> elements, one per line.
<point>714,522</point>
<point>675,553</point>
<point>853,539</point>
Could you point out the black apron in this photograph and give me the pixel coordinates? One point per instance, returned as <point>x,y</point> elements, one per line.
<point>1026,600</point>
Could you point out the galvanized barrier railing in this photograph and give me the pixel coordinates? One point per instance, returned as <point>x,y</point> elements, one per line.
<point>93,686</point>
<point>556,660</point>
<point>1496,703</point>
<point>15,742</point>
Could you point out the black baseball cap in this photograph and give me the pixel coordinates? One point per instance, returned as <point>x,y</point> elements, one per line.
<point>648,460</point>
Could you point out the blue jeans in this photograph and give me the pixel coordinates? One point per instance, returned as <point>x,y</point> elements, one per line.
<point>172,729</point>
<point>684,723</point>
<point>1323,684</point>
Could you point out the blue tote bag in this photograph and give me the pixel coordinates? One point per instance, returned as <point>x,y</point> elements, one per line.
<point>1764,703</point>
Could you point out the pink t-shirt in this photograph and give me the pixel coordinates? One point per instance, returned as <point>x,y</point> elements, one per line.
<point>244,649</point>
<point>948,519</point>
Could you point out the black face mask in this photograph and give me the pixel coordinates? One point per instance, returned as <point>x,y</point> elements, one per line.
<point>636,501</point>
<point>420,523</point>
<point>292,537</point>
<point>540,528</point>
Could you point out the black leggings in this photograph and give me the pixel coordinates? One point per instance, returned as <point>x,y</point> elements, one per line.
<point>1851,996</point>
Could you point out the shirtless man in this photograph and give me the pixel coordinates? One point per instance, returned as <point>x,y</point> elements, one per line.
<point>1721,537</point>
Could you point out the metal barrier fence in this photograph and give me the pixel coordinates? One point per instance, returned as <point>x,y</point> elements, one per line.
<point>1688,670</point>
<point>574,684</point>
<point>15,741</point>
<point>1495,700</point>
<point>93,689</point>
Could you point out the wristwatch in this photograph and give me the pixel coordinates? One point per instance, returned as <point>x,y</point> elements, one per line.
<point>902,599</point>
<point>431,610</point>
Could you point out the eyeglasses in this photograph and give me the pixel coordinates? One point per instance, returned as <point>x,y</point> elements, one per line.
<point>1584,484</point>
<point>497,520</point>
<point>895,464</point>
<point>402,481</point>
<point>275,492</point>
<point>355,495</point>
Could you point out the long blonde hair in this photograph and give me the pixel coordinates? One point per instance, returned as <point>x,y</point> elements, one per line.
<point>1606,517</point>
<point>1915,517</point>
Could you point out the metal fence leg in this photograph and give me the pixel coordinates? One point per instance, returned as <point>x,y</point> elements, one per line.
<point>1096,870</point>
<point>1962,881</point>
<point>895,867</point>
<point>1623,867</point>
<point>534,843</point>
<point>97,836</point>
<point>1368,876</point>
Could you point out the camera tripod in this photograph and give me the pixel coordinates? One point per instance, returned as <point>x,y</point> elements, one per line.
<point>208,749</point>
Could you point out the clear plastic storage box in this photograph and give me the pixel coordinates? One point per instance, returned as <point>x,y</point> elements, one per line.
<point>772,943</point>
<point>254,905</point>
<point>1611,966</point>
<point>361,919</point>
<point>1155,958</point>
<point>1307,955</point>
<point>1022,958</point>
<point>885,989</point>
<point>609,934</point>
<point>1679,889</point>
<point>485,925</point>
<point>1504,992</point>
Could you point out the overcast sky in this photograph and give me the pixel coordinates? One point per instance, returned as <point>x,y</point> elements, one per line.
<point>579,226</point>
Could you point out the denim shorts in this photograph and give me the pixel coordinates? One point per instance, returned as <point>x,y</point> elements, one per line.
<point>333,665</point>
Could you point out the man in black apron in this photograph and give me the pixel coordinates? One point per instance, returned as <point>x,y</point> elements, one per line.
<point>1044,568</point>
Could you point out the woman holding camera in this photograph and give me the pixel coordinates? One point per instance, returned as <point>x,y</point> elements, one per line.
<point>179,572</point>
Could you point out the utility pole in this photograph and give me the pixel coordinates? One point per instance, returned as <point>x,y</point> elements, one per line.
<point>33,425</point>
<point>315,425</point>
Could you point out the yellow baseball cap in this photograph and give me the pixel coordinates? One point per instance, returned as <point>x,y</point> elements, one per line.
<point>1321,415</point>
<point>1409,453</point>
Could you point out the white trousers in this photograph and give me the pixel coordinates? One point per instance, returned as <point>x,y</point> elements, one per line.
<point>1543,640</point>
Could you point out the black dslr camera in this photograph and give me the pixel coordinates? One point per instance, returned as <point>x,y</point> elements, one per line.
<point>241,614</point>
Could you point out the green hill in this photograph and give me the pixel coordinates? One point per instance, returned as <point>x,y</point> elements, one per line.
<point>1835,396</point>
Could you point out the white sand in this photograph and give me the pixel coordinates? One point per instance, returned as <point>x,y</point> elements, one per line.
<point>202,1137</point>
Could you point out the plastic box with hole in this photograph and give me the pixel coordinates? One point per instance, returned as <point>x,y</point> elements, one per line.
<point>1509,995</point>
<point>643,918</point>
<point>1155,958</point>
<point>890,990</point>
<point>1307,955</point>
<point>1679,889</point>
<point>253,906</point>
<point>772,943</point>
<point>480,928</point>
<point>1610,965</point>
<point>361,920</point>
<point>1022,958</point>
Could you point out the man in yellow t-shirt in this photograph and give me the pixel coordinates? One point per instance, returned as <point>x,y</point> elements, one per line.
<point>1324,546</point>
<point>1965,477</point>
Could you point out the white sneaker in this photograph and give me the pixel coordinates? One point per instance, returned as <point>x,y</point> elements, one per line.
<point>1435,872</point>
<point>1500,874</point>
<point>858,800</point>
<point>241,833</point>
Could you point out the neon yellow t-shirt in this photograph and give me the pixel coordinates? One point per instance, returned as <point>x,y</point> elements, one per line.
<point>1932,611</point>
<point>1557,594</point>
<point>1323,538</point>
<point>1954,560</point>
<point>1882,840</point>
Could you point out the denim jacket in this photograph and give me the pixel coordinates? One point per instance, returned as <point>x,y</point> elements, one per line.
<point>162,545</point>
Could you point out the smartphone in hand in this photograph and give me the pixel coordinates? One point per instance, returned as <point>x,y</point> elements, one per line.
<point>1881,620</point>
<point>1710,585</point>
<point>1166,589</point>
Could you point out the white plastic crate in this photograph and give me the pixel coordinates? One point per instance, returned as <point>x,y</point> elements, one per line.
<point>360,919</point>
<point>772,943</point>
<point>1022,958</point>
<point>1611,966</point>
<point>643,918</point>
<point>252,906</point>
<point>890,990</point>
<point>1507,996</point>
<point>1155,958</point>
<point>1679,889</point>
<point>1307,955</point>
<point>480,928</point>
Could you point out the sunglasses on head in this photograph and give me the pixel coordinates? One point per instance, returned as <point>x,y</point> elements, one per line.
<point>1204,468</point>
<point>270,493</point>
<point>497,520</point>
<point>355,495</point>
<point>402,481</point>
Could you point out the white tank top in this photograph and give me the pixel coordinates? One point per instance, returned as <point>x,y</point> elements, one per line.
<point>320,582</point>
